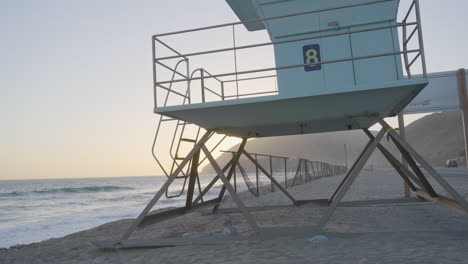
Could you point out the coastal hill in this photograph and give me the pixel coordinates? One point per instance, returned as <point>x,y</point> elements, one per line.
<point>437,137</point>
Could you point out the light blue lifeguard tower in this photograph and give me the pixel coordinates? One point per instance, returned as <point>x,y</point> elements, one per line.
<point>339,65</point>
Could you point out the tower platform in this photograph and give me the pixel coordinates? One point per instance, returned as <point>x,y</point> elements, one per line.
<point>278,116</point>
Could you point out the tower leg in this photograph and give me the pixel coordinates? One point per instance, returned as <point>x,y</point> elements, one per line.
<point>215,179</point>
<point>192,180</point>
<point>399,167</point>
<point>426,166</point>
<point>232,192</point>
<point>425,183</point>
<point>235,160</point>
<point>349,173</point>
<point>370,148</point>
<point>163,189</point>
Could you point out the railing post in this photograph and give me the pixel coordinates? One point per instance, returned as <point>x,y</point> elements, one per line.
<point>222,91</point>
<point>189,94</point>
<point>235,58</point>
<point>202,80</point>
<point>154,72</point>
<point>405,49</point>
<point>421,41</point>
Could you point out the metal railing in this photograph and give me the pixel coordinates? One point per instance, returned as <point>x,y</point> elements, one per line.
<point>406,39</point>
<point>228,77</point>
<point>306,171</point>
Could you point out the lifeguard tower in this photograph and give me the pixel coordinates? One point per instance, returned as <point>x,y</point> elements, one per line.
<point>339,65</point>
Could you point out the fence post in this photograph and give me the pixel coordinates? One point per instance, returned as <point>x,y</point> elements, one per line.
<point>256,174</point>
<point>271,173</point>
<point>235,176</point>
<point>285,173</point>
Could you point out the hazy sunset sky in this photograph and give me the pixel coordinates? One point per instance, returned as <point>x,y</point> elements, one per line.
<point>76,78</point>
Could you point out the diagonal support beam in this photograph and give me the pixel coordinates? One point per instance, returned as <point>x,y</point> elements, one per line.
<point>192,180</point>
<point>352,176</point>
<point>210,185</point>
<point>425,165</point>
<point>275,182</point>
<point>402,170</point>
<point>235,160</point>
<point>349,172</point>
<point>235,197</point>
<point>425,183</point>
<point>163,189</point>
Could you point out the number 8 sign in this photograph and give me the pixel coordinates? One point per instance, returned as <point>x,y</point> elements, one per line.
<point>312,56</point>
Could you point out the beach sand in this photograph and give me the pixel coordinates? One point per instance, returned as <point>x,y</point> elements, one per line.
<point>403,233</point>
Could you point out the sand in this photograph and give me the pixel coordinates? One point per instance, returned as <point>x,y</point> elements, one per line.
<point>405,233</point>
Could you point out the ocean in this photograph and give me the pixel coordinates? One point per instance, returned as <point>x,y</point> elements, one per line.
<point>36,210</point>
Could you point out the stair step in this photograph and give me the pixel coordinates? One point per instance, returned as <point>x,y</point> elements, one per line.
<point>188,140</point>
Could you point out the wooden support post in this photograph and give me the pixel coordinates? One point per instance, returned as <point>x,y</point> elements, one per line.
<point>199,184</point>
<point>443,201</point>
<point>235,176</point>
<point>426,184</point>
<point>461,77</point>
<point>271,173</point>
<point>192,180</point>
<point>401,125</point>
<point>256,175</point>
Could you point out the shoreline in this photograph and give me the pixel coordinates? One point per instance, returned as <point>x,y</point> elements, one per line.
<point>263,189</point>
<point>357,234</point>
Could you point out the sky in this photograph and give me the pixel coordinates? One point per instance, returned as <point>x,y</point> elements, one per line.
<point>76,79</point>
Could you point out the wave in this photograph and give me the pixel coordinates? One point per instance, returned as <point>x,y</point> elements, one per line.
<point>87,189</point>
<point>10,194</point>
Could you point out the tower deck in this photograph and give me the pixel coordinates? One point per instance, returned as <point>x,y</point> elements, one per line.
<point>276,116</point>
